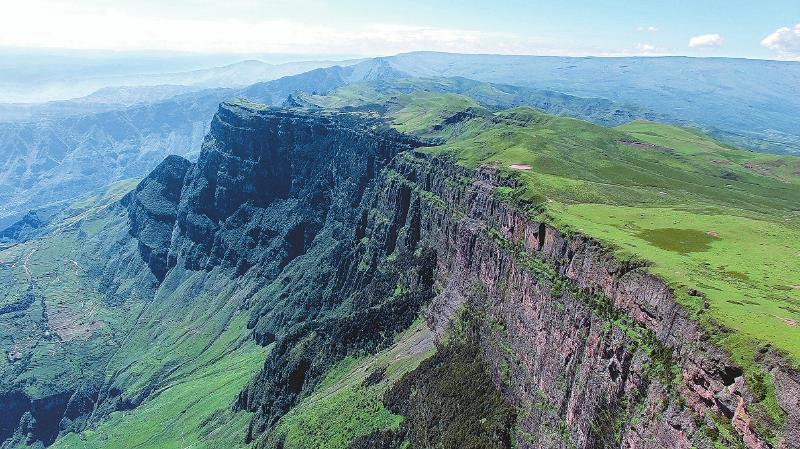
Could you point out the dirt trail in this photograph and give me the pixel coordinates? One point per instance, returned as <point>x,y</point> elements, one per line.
<point>421,341</point>
<point>25,265</point>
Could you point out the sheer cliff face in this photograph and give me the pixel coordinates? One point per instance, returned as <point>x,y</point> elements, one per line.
<point>266,178</point>
<point>344,232</point>
<point>592,352</point>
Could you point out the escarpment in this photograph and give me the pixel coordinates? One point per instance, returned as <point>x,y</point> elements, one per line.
<point>344,232</point>
<point>596,352</point>
<point>593,352</point>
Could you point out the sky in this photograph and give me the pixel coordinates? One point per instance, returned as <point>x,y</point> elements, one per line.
<point>768,29</point>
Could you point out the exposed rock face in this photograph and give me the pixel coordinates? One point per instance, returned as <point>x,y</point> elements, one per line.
<point>31,225</point>
<point>787,384</point>
<point>35,421</point>
<point>286,206</point>
<point>152,209</point>
<point>349,233</point>
<point>593,352</point>
<point>267,182</point>
<point>596,352</point>
<point>26,225</point>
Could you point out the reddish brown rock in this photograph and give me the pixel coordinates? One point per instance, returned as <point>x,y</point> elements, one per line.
<point>581,377</point>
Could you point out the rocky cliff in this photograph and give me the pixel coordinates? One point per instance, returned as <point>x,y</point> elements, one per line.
<point>594,352</point>
<point>334,234</point>
<point>591,351</point>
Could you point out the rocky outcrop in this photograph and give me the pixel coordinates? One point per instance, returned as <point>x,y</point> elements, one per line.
<point>592,351</point>
<point>31,225</point>
<point>152,209</point>
<point>595,351</point>
<point>31,422</point>
<point>277,195</point>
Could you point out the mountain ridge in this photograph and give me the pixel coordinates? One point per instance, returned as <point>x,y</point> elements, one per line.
<point>367,266</point>
<point>42,146</point>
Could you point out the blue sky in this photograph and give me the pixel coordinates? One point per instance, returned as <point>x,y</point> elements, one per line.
<point>737,28</point>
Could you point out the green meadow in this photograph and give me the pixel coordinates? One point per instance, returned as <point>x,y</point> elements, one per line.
<point>345,406</point>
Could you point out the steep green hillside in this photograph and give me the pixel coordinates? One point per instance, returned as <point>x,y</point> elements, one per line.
<point>193,411</point>
<point>80,323</point>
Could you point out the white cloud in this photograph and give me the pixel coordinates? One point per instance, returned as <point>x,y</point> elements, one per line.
<point>650,29</point>
<point>786,41</point>
<point>47,23</point>
<point>706,41</point>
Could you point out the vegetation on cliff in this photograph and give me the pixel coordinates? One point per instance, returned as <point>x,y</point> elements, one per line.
<point>707,217</point>
<point>718,223</point>
<point>137,317</point>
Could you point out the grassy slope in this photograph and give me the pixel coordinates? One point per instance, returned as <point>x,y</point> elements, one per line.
<point>695,211</point>
<point>194,411</point>
<point>79,326</point>
<point>739,253</point>
<point>193,359</point>
<point>343,407</point>
<point>196,360</point>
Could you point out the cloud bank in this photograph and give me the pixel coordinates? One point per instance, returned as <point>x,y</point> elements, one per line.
<point>43,23</point>
<point>706,41</point>
<point>786,41</point>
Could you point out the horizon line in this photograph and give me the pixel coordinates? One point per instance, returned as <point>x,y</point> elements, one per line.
<point>347,57</point>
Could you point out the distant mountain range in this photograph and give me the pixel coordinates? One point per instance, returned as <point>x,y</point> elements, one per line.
<point>52,83</point>
<point>751,103</point>
<point>46,160</point>
<point>60,150</point>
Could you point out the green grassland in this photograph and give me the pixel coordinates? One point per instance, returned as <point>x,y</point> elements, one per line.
<point>67,325</point>
<point>345,405</point>
<point>194,411</point>
<point>182,364</point>
<point>705,216</point>
<point>699,212</point>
